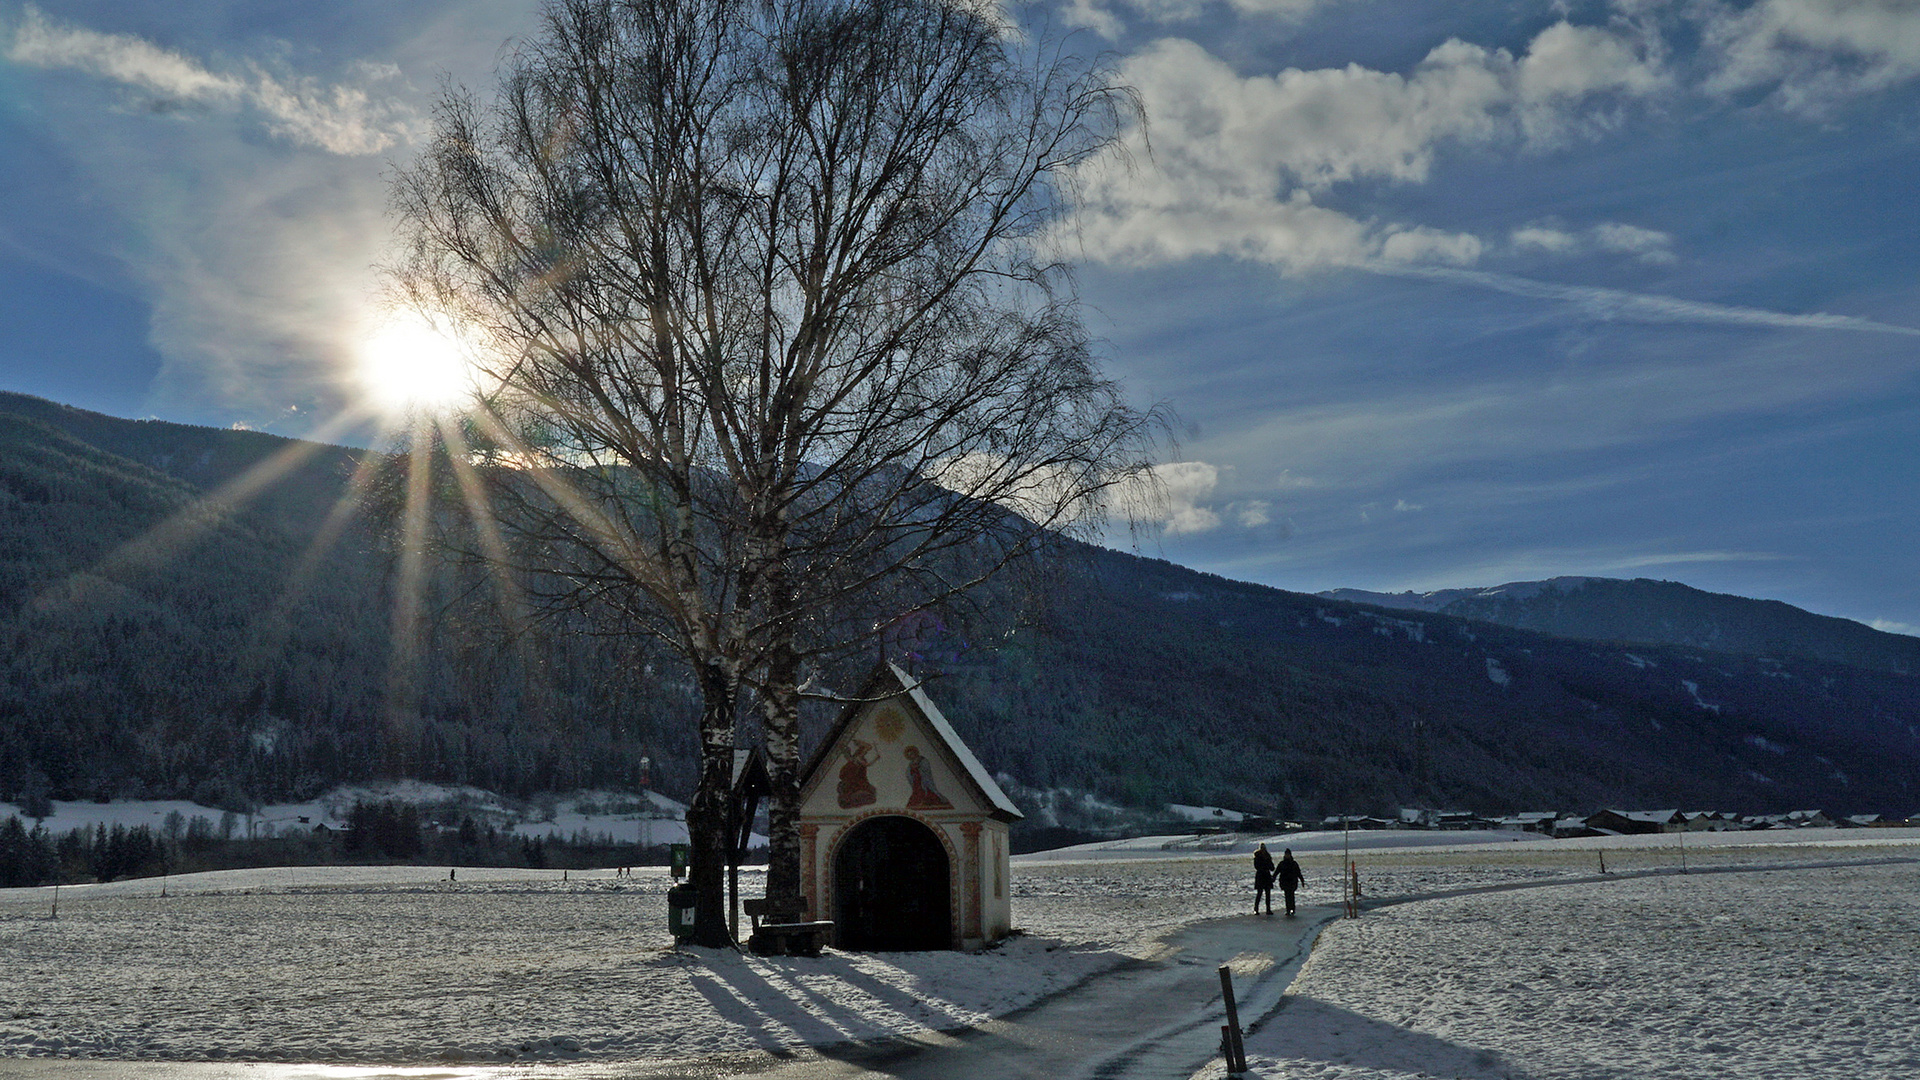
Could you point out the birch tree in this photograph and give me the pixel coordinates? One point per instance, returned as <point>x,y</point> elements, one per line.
<point>770,347</point>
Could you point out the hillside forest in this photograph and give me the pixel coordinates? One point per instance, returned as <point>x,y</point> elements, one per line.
<point>209,614</point>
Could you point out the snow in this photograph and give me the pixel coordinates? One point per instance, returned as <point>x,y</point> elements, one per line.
<point>1242,844</point>
<point>648,818</point>
<point>400,965</point>
<point>1693,688</point>
<point>1779,954</point>
<point>1785,974</point>
<point>1204,813</point>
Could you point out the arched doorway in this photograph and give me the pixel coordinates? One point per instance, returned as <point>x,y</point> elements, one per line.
<point>891,887</point>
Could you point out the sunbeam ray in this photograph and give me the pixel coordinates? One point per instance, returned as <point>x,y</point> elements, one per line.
<point>160,544</point>
<point>493,546</point>
<point>605,534</point>
<point>270,629</point>
<point>403,683</point>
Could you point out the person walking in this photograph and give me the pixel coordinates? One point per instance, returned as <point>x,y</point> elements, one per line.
<point>1262,878</point>
<point>1290,879</point>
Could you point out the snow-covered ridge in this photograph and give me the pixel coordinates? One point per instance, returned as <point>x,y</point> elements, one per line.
<point>1440,598</point>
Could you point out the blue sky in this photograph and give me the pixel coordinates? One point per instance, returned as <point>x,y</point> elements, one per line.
<point>1443,294</point>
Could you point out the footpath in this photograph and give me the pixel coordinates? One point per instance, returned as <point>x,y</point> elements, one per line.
<point>1151,1019</point>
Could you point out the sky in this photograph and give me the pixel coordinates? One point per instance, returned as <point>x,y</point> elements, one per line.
<point>1441,294</point>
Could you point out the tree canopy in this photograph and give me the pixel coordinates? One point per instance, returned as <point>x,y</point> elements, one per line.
<point>769,346</point>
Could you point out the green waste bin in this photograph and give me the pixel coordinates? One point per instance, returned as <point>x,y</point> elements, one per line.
<point>682,901</point>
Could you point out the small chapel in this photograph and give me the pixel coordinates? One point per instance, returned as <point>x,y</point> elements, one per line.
<point>903,834</point>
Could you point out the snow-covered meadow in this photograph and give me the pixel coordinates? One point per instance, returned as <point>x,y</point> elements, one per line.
<point>1761,975</point>
<point>1748,973</point>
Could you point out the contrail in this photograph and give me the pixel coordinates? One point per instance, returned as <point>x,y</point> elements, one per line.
<point>1638,307</point>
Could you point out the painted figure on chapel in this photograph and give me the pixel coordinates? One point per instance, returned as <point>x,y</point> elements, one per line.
<point>924,795</point>
<point>855,789</point>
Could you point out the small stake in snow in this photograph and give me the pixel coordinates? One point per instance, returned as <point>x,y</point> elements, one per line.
<point>1235,1049</point>
<point>56,901</point>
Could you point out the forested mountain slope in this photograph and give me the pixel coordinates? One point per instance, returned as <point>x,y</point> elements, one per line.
<point>1666,612</point>
<point>160,644</point>
<point>1158,682</point>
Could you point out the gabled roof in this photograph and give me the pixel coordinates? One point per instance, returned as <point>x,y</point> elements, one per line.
<point>888,681</point>
<point>1650,816</point>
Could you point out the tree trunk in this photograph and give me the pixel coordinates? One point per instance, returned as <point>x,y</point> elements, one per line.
<point>781,719</point>
<point>707,816</point>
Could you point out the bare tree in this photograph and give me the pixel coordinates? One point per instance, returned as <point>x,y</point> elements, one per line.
<point>770,349</point>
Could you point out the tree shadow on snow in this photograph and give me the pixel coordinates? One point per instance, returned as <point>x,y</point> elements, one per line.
<point>768,1014</point>
<point>1309,1030</point>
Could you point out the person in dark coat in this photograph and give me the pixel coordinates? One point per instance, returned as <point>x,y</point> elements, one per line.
<point>1290,879</point>
<point>1262,878</point>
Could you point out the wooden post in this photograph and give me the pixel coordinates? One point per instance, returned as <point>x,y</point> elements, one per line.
<point>1236,1049</point>
<point>733,895</point>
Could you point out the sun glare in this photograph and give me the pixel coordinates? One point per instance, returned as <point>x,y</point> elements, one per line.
<point>409,365</point>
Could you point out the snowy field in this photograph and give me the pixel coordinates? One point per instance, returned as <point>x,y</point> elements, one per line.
<point>1755,976</point>
<point>1750,973</point>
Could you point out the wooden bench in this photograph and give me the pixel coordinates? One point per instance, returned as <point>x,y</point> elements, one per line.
<point>784,938</point>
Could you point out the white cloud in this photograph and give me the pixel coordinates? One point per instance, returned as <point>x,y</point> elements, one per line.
<point>1647,245</point>
<point>1423,245</point>
<point>1894,626</point>
<point>1565,64</point>
<point>1103,17</point>
<point>338,119</point>
<point>38,42</point>
<point>1545,239</point>
<point>1813,53</point>
<point>1619,304</point>
<point>1182,485</point>
<point>1176,494</point>
<point>1237,165</point>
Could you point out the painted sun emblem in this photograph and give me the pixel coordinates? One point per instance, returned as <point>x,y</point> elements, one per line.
<point>889,724</point>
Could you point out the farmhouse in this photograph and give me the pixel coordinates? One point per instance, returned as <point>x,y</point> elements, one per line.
<point>903,834</point>
<point>1637,821</point>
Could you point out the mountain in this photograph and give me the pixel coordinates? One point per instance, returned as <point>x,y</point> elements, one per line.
<point>1159,683</point>
<point>182,614</point>
<point>172,628</point>
<point>1661,612</point>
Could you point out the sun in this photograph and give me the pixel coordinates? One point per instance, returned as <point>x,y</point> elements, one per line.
<point>409,365</point>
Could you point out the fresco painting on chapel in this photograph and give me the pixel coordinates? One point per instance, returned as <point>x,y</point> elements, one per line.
<point>903,831</point>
